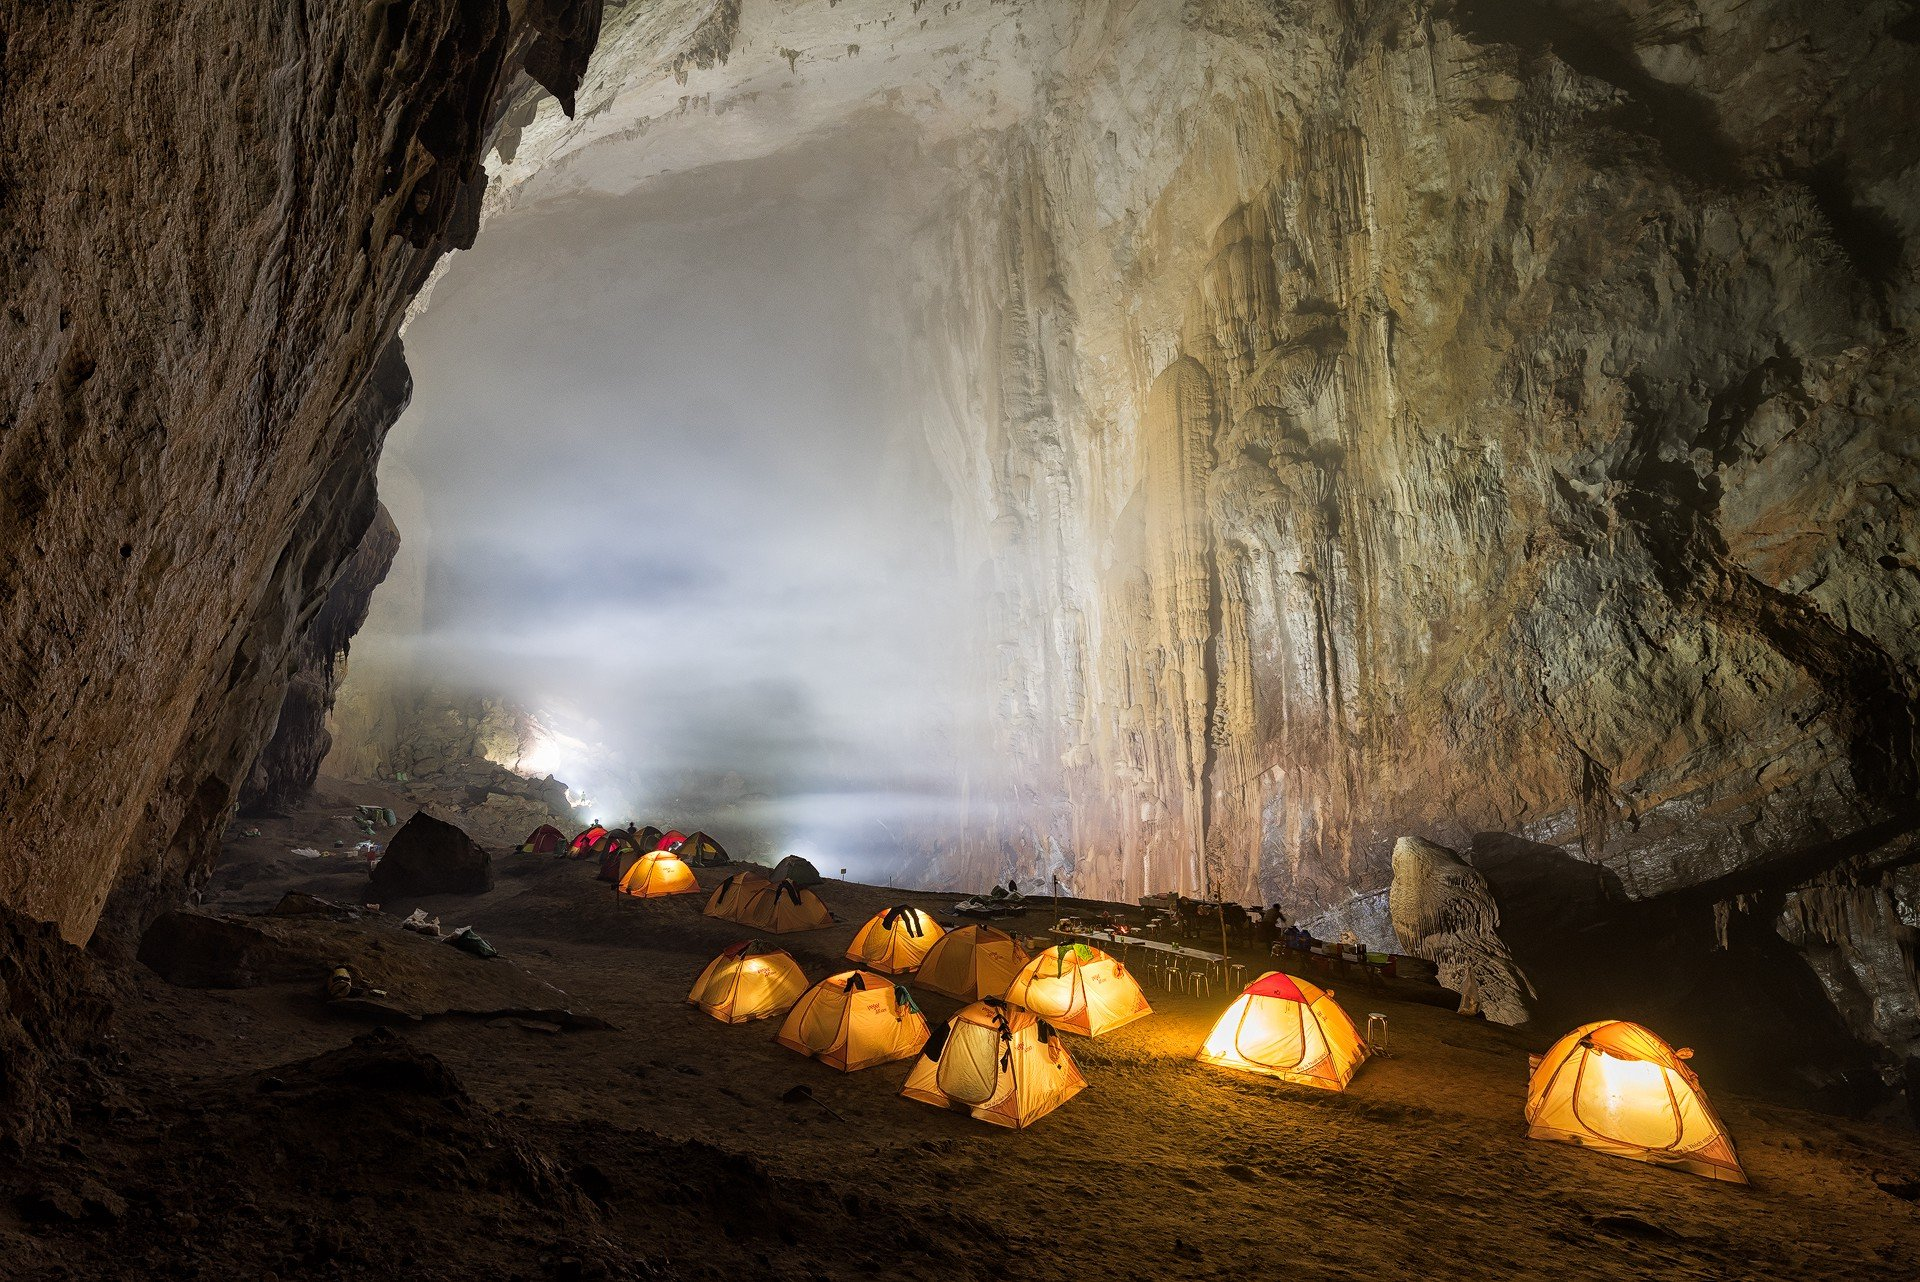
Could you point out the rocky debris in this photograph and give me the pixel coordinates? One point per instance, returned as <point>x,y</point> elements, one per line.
<point>416,976</point>
<point>371,1159</point>
<point>1443,910</point>
<point>430,856</point>
<point>53,1016</point>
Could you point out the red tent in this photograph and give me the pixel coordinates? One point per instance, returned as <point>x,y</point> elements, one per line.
<point>671,840</point>
<point>543,840</point>
<point>583,844</point>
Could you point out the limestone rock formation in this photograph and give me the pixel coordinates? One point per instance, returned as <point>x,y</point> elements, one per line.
<point>286,768</point>
<point>1443,910</point>
<point>430,856</point>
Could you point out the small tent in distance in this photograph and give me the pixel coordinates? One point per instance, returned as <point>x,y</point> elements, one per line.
<point>999,1064</point>
<point>799,871</point>
<point>971,963</point>
<point>1079,989</point>
<point>670,840</point>
<point>894,940</point>
<point>658,874</point>
<point>582,844</point>
<point>543,840</point>
<point>748,981</point>
<point>1618,1088</point>
<point>729,899</point>
<point>1287,1028</point>
<point>702,851</point>
<point>854,1020</point>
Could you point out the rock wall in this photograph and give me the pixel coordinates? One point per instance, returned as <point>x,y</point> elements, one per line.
<point>213,218</point>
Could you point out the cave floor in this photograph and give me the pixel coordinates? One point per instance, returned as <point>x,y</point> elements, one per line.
<point>663,1147</point>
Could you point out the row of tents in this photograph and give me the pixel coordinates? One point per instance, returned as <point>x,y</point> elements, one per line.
<point>1612,1086</point>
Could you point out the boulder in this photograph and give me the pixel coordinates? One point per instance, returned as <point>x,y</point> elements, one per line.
<point>1443,910</point>
<point>429,856</point>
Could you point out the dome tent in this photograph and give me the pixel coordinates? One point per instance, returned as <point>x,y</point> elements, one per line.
<point>775,908</point>
<point>1618,1088</point>
<point>1286,1028</point>
<point>579,847</point>
<point>894,940</point>
<point>854,1020</point>
<point>1079,989</point>
<point>971,963</point>
<point>703,851</point>
<point>748,981</point>
<point>998,1063</point>
<point>796,870</point>
<point>658,874</point>
<point>543,840</point>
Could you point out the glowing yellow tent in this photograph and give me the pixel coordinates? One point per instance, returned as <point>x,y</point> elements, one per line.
<point>748,981</point>
<point>1002,1065</point>
<point>894,941</point>
<point>729,898</point>
<point>970,963</point>
<point>658,874</point>
<point>1287,1028</point>
<point>1079,989</point>
<point>1617,1088</point>
<point>855,1020</point>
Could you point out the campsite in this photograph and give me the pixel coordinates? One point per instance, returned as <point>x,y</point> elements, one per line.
<point>645,1134</point>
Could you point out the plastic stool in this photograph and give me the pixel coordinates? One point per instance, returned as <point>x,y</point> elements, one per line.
<point>1198,979</point>
<point>1237,975</point>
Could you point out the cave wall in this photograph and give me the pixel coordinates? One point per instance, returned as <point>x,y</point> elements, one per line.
<point>1500,429</point>
<point>213,218</point>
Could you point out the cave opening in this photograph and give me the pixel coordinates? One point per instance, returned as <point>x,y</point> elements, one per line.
<point>946,638</point>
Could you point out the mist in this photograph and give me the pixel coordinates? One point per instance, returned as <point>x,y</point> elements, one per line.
<point>672,506</point>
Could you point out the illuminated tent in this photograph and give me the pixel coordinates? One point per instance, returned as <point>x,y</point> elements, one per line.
<point>1079,989</point>
<point>582,844</point>
<point>658,874</point>
<point>748,981</point>
<point>773,908</point>
<point>703,851</point>
<point>1287,1028</point>
<point>543,840</point>
<point>796,870</point>
<point>671,840</point>
<point>1619,1089</point>
<point>971,962</point>
<point>729,899</point>
<point>893,940</point>
<point>1001,1064</point>
<point>855,1020</point>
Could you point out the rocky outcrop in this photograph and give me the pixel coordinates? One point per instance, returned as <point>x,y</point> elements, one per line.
<point>212,222</point>
<point>287,767</point>
<point>1443,910</point>
<point>53,1020</point>
<point>430,856</point>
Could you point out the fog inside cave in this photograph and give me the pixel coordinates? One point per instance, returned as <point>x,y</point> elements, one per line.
<point>670,500</point>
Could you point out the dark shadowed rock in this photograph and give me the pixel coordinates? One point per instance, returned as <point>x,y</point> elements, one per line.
<point>429,856</point>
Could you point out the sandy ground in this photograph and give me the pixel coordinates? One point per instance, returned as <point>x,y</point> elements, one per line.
<point>666,1147</point>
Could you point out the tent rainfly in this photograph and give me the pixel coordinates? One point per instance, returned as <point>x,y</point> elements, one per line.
<point>854,1020</point>
<point>799,871</point>
<point>971,963</point>
<point>748,981</point>
<point>772,908</point>
<point>658,874</point>
<point>1079,989</point>
<point>1287,1028</point>
<point>895,940</point>
<point>543,840</point>
<point>1001,1064</point>
<point>1617,1088</point>
<point>582,845</point>
<point>703,851</point>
